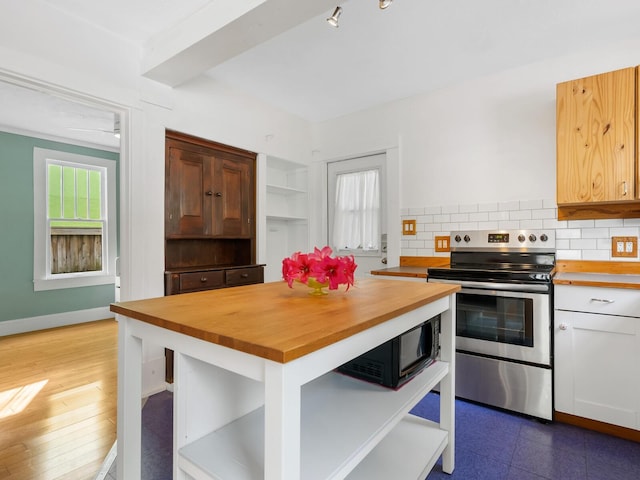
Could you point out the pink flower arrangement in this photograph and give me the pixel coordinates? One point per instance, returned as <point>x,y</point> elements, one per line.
<point>319,267</point>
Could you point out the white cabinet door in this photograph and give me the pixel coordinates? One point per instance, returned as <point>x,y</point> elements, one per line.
<point>597,367</point>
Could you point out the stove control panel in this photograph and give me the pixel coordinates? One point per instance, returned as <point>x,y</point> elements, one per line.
<point>504,239</point>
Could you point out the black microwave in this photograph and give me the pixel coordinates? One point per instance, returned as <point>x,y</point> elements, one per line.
<point>398,360</point>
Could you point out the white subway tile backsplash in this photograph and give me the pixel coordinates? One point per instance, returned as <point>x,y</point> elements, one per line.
<point>530,204</point>
<point>569,233</point>
<point>451,226</point>
<point>531,224</point>
<point>498,216</point>
<point>487,225</point>
<point>595,232</point>
<point>555,224</point>
<point>544,213</point>
<point>575,239</point>
<point>468,226</point>
<point>583,244</point>
<point>595,255</point>
<point>515,205</point>
<point>459,217</point>
<point>479,216</point>
<point>609,222</point>
<point>568,254</point>
<point>450,208</point>
<point>468,208</point>
<point>624,231</point>
<point>509,224</point>
<point>580,223</point>
<point>520,215</point>
<point>488,207</point>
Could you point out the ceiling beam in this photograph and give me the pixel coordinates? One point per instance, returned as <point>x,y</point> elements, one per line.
<point>220,31</point>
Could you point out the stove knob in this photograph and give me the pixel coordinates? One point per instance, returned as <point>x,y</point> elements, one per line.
<point>532,237</point>
<point>467,238</point>
<point>457,238</point>
<point>543,237</point>
<point>521,238</point>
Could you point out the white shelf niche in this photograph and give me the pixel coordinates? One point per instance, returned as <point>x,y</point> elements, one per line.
<point>287,213</point>
<point>348,428</point>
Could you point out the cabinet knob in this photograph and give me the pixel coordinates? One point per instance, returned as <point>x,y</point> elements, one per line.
<point>218,194</point>
<point>203,279</point>
<point>209,193</point>
<point>563,326</point>
<point>244,275</point>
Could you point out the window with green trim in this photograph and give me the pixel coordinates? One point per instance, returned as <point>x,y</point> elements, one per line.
<point>75,217</point>
<point>74,220</point>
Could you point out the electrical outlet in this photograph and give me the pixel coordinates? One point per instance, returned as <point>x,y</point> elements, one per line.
<point>442,244</point>
<point>408,227</point>
<point>624,247</point>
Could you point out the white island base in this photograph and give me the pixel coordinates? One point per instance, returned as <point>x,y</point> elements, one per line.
<point>241,416</point>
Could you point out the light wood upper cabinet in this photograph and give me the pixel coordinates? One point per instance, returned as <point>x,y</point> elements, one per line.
<point>596,139</point>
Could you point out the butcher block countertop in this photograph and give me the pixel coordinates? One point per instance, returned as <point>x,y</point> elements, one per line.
<point>279,323</point>
<point>598,274</point>
<point>413,267</point>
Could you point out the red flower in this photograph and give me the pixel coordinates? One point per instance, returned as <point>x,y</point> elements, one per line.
<point>297,267</point>
<point>320,266</point>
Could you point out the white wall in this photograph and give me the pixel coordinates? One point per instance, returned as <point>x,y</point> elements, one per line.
<point>486,142</point>
<point>490,139</point>
<point>42,47</point>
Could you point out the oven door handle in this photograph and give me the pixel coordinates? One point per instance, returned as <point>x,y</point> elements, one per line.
<point>512,287</point>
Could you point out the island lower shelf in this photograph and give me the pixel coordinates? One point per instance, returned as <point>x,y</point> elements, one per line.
<point>342,421</point>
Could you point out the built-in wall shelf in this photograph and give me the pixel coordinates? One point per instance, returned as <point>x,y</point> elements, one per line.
<point>287,214</point>
<point>286,218</point>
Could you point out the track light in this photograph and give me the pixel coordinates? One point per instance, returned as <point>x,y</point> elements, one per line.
<point>384,4</point>
<point>333,19</point>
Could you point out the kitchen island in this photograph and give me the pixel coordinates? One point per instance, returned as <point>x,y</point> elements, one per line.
<point>256,395</point>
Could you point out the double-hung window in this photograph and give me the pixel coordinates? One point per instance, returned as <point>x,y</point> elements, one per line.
<point>74,221</point>
<point>356,204</point>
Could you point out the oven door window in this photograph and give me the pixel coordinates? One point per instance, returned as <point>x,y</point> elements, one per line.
<point>495,319</point>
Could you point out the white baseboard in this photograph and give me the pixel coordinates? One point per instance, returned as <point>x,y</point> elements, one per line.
<point>32,324</point>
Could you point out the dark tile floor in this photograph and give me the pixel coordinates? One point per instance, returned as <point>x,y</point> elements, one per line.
<point>496,445</point>
<point>490,445</point>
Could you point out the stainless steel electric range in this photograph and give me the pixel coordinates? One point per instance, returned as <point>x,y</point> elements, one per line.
<point>504,317</point>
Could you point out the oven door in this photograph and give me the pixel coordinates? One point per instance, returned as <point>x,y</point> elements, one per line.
<point>504,324</point>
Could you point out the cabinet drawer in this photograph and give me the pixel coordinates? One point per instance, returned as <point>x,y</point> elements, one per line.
<point>607,301</point>
<point>201,280</point>
<point>244,276</point>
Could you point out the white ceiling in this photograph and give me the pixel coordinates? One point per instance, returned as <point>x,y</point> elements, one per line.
<point>318,72</point>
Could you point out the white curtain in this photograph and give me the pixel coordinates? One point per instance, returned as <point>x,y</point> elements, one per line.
<point>356,223</point>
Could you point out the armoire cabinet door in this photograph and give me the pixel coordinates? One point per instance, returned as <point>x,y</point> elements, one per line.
<point>234,204</point>
<point>189,193</point>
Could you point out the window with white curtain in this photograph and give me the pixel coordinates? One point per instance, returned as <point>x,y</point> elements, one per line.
<point>355,204</point>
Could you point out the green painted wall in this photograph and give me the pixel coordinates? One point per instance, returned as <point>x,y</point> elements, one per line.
<point>17,298</point>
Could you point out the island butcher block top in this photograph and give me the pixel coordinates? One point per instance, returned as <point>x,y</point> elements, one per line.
<point>279,323</point>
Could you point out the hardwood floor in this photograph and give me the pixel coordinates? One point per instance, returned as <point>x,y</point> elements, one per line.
<point>58,396</point>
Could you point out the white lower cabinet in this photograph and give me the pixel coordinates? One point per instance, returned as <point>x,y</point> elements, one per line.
<point>597,354</point>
